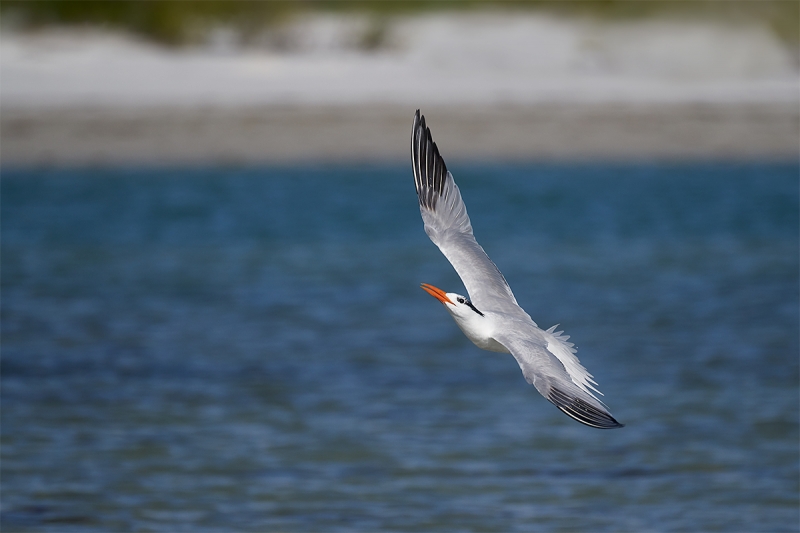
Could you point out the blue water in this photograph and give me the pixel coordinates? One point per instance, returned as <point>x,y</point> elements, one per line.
<point>248,349</point>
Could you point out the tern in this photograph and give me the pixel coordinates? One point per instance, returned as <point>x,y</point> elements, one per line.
<point>490,317</point>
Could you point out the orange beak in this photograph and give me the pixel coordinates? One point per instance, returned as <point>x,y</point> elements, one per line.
<point>437,293</point>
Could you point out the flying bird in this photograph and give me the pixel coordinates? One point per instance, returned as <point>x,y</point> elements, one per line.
<point>491,317</point>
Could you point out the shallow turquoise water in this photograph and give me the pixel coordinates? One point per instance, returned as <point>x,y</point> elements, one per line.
<point>248,349</point>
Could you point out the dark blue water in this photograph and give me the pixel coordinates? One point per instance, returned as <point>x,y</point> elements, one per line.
<point>248,349</point>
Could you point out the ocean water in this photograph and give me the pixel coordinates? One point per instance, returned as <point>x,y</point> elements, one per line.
<point>248,349</point>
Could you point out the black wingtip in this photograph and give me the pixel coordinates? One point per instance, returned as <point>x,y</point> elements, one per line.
<point>583,411</point>
<point>430,170</point>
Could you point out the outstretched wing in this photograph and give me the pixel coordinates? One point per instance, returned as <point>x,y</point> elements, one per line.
<point>560,379</point>
<point>448,226</point>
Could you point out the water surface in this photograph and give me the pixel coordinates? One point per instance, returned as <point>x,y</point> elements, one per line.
<point>248,349</point>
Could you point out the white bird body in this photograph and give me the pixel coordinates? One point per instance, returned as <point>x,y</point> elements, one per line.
<point>492,319</point>
<point>478,328</point>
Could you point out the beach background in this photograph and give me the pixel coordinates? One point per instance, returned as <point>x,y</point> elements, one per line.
<point>291,82</point>
<point>211,253</point>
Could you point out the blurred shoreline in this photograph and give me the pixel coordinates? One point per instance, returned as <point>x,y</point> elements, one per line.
<point>493,86</point>
<point>375,133</point>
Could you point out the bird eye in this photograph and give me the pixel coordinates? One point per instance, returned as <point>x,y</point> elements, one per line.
<point>461,300</point>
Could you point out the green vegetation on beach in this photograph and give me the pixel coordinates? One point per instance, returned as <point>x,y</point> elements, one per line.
<point>181,22</point>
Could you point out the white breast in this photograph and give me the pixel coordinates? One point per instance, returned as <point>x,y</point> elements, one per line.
<point>479,329</point>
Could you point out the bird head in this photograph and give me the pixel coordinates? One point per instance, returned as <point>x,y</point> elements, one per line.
<point>459,306</point>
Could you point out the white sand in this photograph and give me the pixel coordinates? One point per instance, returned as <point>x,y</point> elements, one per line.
<point>520,64</point>
<point>464,59</point>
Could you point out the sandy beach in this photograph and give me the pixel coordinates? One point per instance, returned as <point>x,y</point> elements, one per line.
<point>380,133</point>
<point>494,87</point>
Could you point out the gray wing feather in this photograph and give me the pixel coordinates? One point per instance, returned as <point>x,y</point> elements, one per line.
<point>543,370</point>
<point>448,226</point>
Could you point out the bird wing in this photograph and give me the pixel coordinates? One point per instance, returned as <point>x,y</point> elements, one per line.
<point>548,363</point>
<point>448,226</point>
